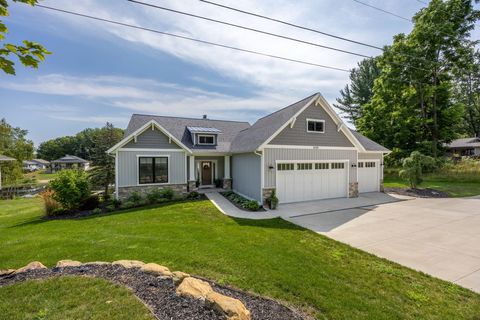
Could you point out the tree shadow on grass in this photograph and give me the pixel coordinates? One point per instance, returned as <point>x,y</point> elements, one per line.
<point>274,223</point>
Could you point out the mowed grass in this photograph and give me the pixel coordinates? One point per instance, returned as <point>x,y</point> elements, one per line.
<point>41,175</point>
<point>70,298</point>
<point>456,186</point>
<point>272,258</point>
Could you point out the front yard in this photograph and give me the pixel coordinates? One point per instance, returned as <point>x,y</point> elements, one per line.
<point>273,258</point>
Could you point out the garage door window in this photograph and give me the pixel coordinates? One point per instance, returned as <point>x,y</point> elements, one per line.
<point>370,164</point>
<point>321,166</point>
<point>360,164</point>
<point>338,165</point>
<point>285,166</point>
<point>304,166</point>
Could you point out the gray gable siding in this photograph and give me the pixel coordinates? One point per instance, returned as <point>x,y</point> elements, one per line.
<point>299,136</point>
<point>246,175</point>
<point>152,139</point>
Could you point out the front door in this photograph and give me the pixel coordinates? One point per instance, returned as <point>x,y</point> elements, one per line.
<point>206,173</point>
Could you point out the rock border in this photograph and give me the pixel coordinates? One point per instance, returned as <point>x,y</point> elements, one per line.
<point>169,295</point>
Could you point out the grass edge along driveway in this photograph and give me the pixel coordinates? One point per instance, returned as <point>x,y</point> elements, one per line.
<point>272,258</point>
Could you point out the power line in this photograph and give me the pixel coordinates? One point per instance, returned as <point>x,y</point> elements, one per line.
<point>290,24</point>
<point>191,39</point>
<point>250,29</point>
<point>382,10</point>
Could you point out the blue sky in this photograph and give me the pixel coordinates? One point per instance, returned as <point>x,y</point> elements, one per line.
<point>99,72</point>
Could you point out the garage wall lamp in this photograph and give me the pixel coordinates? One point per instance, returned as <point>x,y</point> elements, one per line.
<point>354,165</point>
<point>271,167</point>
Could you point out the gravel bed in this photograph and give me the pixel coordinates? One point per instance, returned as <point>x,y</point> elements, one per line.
<point>158,294</point>
<point>419,193</point>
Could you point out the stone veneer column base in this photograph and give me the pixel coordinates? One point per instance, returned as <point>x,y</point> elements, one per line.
<point>382,189</point>
<point>266,192</point>
<point>124,192</point>
<point>353,190</point>
<point>227,184</point>
<point>192,186</point>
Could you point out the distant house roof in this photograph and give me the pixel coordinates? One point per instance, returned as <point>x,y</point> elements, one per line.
<point>28,163</point>
<point>177,127</point>
<point>41,161</point>
<point>203,130</point>
<point>5,158</point>
<point>368,144</point>
<point>70,159</point>
<point>465,143</point>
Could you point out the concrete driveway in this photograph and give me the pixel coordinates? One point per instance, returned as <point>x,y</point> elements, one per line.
<point>440,237</point>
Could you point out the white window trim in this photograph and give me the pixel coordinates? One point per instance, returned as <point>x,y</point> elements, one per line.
<point>152,156</point>
<point>206,135</point>
<point>316,120</point>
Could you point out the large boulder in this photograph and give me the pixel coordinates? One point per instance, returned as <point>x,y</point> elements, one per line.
<point>96,263</point>
<point>68,263</point>
<point>232,308</point>
<point>31,266</point>
<point>156,269</point>
<point>6,272</point>
<point>194,288</point>
<point>178,277</point>
<point>129,263</point>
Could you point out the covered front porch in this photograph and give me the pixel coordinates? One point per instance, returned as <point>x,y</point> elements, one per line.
<point>209,171</point>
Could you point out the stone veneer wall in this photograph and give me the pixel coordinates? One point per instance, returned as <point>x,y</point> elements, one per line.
<point>353,190</point>
<point>124,192</point>
<point>227,184</point>
<point>382,189</point>
<point>192,186</point>
<point>266,192</point>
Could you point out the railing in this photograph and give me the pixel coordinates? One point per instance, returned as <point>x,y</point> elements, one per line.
<point>9,192</point>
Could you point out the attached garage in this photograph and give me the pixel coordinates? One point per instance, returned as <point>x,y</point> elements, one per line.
<point>368,176</point>
<point>311,180</point>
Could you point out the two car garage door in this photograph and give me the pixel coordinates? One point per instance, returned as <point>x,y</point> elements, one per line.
<point>304,181</point>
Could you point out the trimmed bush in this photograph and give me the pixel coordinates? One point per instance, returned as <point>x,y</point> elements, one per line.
<point>71,188</point>
<point>128,205</point>
<point>252,205</point>
<point>194,195</point>
<point>116,203</point>
<point>110,208</point>
<point>154,196</point>
<point>91,202</point>
<point>167,193</point>
<point>97,211</point>
<point>135,198</point>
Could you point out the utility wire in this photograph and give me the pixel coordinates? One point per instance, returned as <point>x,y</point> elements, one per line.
<point>382,10</point>
<point>191,39</point>
<point>290,24</point>
<point>250,29</point>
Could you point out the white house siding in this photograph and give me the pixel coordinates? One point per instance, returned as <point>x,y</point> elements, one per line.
<point>128,166</point>
<point>246,175</point>
<point>271,155</point>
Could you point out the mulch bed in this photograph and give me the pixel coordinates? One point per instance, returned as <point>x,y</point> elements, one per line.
<point>239,206</point>
<point>158,294</point>
<point>419,193</point>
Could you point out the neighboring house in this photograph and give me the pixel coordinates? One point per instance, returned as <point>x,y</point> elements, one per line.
<point>69,162</point>
<point>465,147</point>
<point>35,164</point>
<point>304,151</point>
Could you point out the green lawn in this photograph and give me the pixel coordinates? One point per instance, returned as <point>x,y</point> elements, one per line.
<point>459,186</point>
<point>273,258</point>
<point>41,175</point>
<point>70,298</point>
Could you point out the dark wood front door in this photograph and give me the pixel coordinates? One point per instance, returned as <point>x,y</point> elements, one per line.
<point>206,173</point>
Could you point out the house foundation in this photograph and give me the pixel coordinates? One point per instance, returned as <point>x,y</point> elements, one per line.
<point>353,190</point>
<point>124,192</point>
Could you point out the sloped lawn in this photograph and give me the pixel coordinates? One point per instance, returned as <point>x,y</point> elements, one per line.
<point>273,258</point>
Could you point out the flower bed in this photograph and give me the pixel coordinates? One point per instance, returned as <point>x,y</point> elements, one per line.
<point>242,202</point>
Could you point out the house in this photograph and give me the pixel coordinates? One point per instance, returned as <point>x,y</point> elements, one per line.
<point>69,162</point>
<point>34,165</point>
<point>304,151</point>
<point>465,147</point>
<point>41,164</point>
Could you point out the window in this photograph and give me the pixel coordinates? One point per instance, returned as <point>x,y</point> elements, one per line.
<point>338,165</point>
<point>370,164</point>
<point>204,139</point>
<point>152,170</point>
<point>304,166</point>
<point>315,125</point>
<point>285,166</point>
<point>360,164</point>
<point>321,166</point>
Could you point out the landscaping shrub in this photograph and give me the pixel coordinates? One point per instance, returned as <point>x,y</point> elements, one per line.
<point>167,193</point>
<point>128,205</point>
<point>97,211</point>
<point>116,203</point>
<point>252,205</point>
<point>70,188</point>
<point>154,196</point>
<point>194,195</point>
<point>91,202</point>
<point>110,208</point>
<point>49,202</point>
<point>413,167</point>
<point>245,203</point>
<point>135,198</point>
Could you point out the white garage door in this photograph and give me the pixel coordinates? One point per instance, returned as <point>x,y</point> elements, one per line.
<point>368,176</point>
<point>304,181</point>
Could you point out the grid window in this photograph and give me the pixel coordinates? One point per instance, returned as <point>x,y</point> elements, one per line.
<point>338,165</point>
<point>206,139</point>
<point>285,166</point>
<point>321,166</point>
<point>370,164</point>
<point>304,166</point>
<point>360,164</point>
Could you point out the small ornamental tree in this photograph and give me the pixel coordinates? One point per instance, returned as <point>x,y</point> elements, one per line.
<point>71,188</point>
<point>413,167</point>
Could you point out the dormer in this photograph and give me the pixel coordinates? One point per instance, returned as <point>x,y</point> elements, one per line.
<point>204,136</point>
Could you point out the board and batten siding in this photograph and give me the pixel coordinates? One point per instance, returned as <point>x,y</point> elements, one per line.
<point>298,135</point>
<point>246,175</point>
<point>154,139</point>
<point>373,156</point>
<point>271,155</point>
<point>128,166</point>
<point>220,170</point>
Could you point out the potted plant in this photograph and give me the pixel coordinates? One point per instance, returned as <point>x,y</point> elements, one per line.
<point>272,200</point>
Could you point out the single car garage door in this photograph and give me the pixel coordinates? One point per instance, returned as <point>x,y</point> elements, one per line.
<point>304,181</point>
<point>368,176</point>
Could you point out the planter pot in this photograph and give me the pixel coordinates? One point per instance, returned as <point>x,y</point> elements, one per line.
<point>272,205</point>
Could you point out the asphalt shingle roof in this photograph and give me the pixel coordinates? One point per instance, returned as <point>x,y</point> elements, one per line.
<point>368,144</point>
<point>5,158</point>
<point>70,159</point>
<point>465,143</point>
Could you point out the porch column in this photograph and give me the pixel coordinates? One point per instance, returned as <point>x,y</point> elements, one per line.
<point>192,168</point>
<point>227,180</point>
